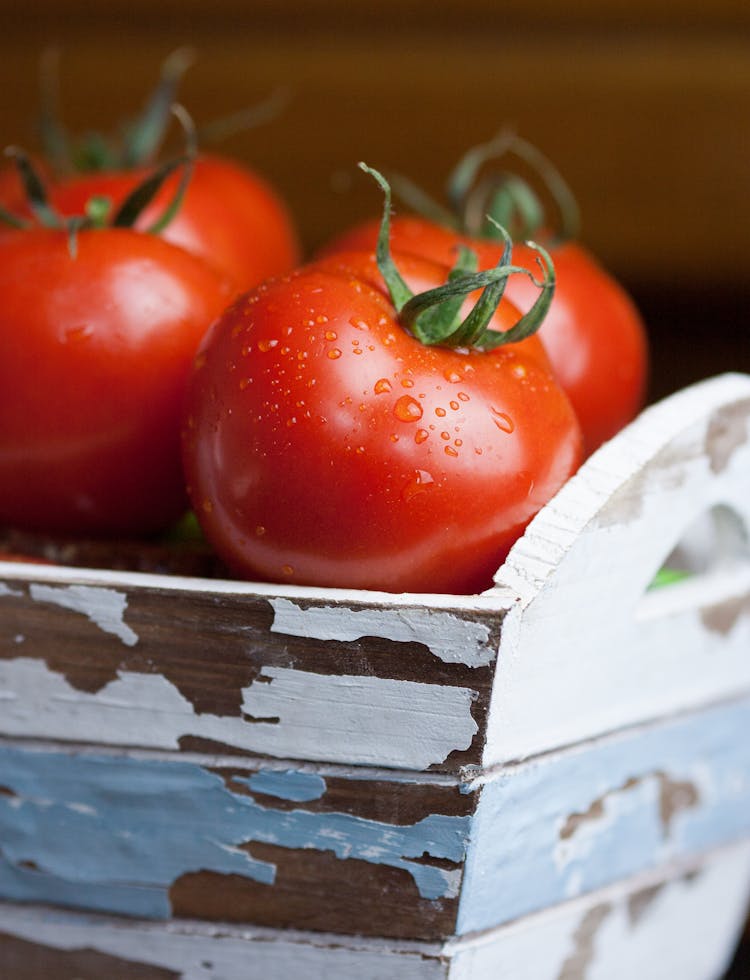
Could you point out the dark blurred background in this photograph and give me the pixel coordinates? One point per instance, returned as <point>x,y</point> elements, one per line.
<point>644,106</point>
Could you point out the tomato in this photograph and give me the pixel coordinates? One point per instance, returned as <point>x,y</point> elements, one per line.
<point>325,445</point>
<point>95,352</point>
<point>229,216</point>
<point>593,332</point>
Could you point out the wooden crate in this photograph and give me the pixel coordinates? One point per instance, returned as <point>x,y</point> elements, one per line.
<point>205,778</point>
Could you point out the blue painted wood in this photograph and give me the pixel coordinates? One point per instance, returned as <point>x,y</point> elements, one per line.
<point>566,824</point>
<point>113,834</point>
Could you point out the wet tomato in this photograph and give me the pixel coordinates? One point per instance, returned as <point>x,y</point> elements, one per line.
<point>324,444</point>
<point>95,350</point>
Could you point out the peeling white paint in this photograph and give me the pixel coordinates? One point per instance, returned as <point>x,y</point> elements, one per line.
<point>104,607</point>
<point>233,953</point>
<point>338,719</point>
<point>449,637</point>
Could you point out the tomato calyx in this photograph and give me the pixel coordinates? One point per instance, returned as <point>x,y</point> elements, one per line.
<point>434,317</point>
<point>478,202</point>
<point>97,212</point>
<point>137,142</point>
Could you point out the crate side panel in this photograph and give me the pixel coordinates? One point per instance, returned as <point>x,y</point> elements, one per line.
<point>153,838</point>
<point>589,649</point>
<point>571,822</point>
<point>401,686</point>
<point>685,924</point>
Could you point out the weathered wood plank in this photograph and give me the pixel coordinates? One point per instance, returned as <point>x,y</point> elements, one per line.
<point>348,853</point>
<point>166,663</point>
<point>43,942</point>
<point>586,649</point>
<point>681,923</point>
<point>572,822</point>
<point>684,924</point>
<point>353,851</point>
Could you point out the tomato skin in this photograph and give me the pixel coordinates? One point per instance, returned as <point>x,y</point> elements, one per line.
<point>593,332</point>
<point>229,216</point>
<point>324,445</point>
<point>94,356</point>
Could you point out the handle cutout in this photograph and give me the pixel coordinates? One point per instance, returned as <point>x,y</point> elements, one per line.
<point>710,560</point>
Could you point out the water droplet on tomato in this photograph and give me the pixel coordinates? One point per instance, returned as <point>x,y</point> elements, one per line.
<point>76,334</point>
<point>450,451</point>
<point>452,376</point>
<point>245,382</point>
<point>440,412</point>
<point>266,345</point>
<point>331,335</point>
<point>207,506</point>
<point>407,383</point>
<point>463,396</point>
<point>334,354</point>
<point>504,422</point>
<point>260,530</point>
<point>287,570</point>
<point>420,481</point>
<point>382,386</point>
<point>407,409</point>
<point>421,436</point>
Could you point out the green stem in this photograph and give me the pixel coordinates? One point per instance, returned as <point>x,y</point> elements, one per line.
<point>399,291</point>
<point>569,225</point>
<point>237,122</point>
<point>142,195</point>
<point>54,137</point>
<point>145,135</point>
<point>421,203</point>
<point>431,317</point>
<point>532,320</point>
<point>466,171</point>
<point>34,189</point>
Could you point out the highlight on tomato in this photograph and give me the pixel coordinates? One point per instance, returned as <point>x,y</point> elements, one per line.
<point>98,328</point>
<point>230,216</point>
<point>593,333</point>
<point>343,431</point>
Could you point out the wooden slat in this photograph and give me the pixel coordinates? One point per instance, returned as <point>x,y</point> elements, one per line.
<point>122,659</point>
<point>282,847</point>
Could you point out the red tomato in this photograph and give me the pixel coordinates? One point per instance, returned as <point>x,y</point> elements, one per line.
<point>94,356</point>
<point>325,445</point>
<point>229,216</point>
<point>593,333</point>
